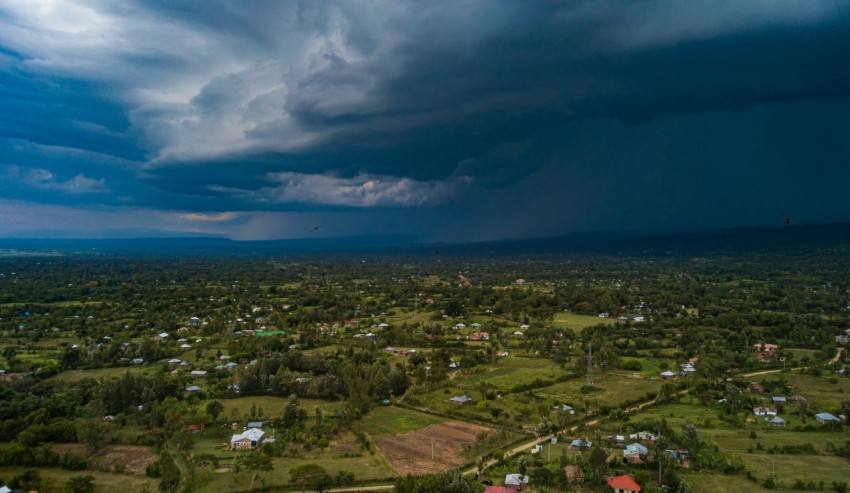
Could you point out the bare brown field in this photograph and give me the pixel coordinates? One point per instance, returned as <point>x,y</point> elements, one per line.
<point>411,453</point>
<point>133,458</point>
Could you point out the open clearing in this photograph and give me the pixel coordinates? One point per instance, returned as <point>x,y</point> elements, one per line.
<point>578,322</point>
<point>513,371</point>
<point>392,420</point>
<point>133,459</point>
<point>431,449</point>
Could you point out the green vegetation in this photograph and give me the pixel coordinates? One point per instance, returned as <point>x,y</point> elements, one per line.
<point>139,372</point>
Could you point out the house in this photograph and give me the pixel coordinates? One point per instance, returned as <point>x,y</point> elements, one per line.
<point>516,480</point>
<point>643,435</point>
<point>779,399</point>
<point>161,336</point>
<point>764,411</point>
<point>198,373</point>
<point>499,489</point>
<point>255,424</point>
<point>633,452</point>
<point>826,418</point>
<point>109,418</point>
<point>137,361</point>
<point>667,374</point>
<point>580,443</point>
<point>604,315</point>
<point>624,484</point>
<point>192,389</point>
<point>194,321</point>
<point>461,399</point>
<point>566,408</point>
<point>679,455</point>
<point>248,439</point>
<point>196,428</point>
<point>173,361</point>
<point>797,398</point>
<point>776,422</point>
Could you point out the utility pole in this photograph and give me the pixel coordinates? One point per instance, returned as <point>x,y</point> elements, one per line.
<point>590,365</point>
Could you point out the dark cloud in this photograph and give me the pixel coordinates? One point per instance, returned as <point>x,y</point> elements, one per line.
<point>631,115</point>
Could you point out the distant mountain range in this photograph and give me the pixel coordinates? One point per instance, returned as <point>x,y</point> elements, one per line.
<point>729,240</point>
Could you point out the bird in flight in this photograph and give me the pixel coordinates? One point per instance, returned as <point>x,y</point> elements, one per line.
<point>314,229</point>
<point>786,219</point>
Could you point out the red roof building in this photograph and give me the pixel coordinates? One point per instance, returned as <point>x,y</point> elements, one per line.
<point>624,484</point>
<point>499,489</point>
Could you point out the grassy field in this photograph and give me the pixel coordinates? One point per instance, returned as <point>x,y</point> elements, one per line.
<point>712,483</point>
<point>97,374</point>
<point>343,455</point>
<point>613,390</point>
<point>391,420</point>
<point>513,371</point>
<point>578,322</point>
<point>652,367</point>
<point>733,440</point>
<point>820,392</point>
<point>239,407</point>
<point>104,482</point>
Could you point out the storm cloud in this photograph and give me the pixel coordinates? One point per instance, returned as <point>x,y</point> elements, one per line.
<point>449,120</point>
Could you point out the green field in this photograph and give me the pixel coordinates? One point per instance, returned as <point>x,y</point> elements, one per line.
<point>97,374</point>
<point>104,482</point>
<point>613,390</point>
<point>343,454</point>
<point>731,440</point>
<point>512,371</point>
<point>712,483</point>
<point>652,367</point>
<point>578,322</point>
<point>819,391</point>
<point>238,408</point>
<point>391,420</point>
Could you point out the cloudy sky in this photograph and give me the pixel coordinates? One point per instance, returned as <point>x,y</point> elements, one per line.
<point>448,120</point>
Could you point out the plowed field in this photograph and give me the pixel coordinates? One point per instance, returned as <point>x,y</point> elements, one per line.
<point>411,453</point>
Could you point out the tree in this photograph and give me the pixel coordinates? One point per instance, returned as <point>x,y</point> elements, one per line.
<point>311,475</point>
<point>92,434</point>
<point>81,484</point>
<point>522,466</point>
<point>344,478</point>
<point>182,439</point>
<point>803,408</point>
<point>254,463</point>
<point>690,438</point>
<point>543,428</point>
<point>169,472</point>
<point>598,461</point>
<point>214,409</point>
<point>290,411</point>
